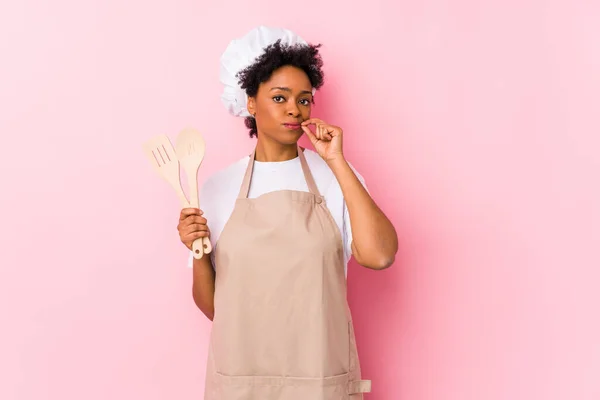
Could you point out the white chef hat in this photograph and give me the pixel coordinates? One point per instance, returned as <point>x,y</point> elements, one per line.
<point>243,52</point>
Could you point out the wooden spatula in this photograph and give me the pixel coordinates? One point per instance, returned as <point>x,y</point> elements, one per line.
<point>190,147</point>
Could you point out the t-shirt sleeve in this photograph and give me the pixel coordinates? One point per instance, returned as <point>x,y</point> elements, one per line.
<point>347,234</point>
<point>208,208</point>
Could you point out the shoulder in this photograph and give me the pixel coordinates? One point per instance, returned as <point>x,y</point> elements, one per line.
<point>223,178</point>
<point>320,166</point>
<point>313,157</point>
<point>221,188</point>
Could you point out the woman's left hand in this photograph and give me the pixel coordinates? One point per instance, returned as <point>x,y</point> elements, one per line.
<point>327,139</point>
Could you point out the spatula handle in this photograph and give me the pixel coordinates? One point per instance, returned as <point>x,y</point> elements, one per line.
<point>198,248</point>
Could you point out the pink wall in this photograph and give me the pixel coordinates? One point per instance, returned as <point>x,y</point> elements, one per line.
<point>475,124</point>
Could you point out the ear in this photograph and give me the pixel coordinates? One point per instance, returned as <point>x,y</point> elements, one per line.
<point>251,105</point>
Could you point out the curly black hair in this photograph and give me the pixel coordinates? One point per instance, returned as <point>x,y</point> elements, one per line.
<point>276,55</point>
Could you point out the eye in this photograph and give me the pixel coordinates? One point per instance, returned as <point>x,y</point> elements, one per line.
<point>305,102</point>
<point>278,99</point>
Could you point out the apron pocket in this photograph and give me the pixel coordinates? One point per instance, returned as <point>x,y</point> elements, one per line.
<point>274,387</point>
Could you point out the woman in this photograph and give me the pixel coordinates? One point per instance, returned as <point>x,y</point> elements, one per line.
<point>283,223</point>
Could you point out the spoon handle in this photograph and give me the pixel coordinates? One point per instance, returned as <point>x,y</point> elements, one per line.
<point>206,244</point>
<point>200,245</point>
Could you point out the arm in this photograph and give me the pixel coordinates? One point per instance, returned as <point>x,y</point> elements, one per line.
<point>192,225</point>
<point>374,239</point>
<point>203,286</point>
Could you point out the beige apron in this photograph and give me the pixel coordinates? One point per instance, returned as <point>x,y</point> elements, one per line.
<point>282,328</point>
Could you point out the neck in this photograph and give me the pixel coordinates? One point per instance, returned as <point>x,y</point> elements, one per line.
<point>269,151</point>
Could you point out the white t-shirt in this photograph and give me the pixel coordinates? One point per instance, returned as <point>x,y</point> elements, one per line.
<point>220,191</point>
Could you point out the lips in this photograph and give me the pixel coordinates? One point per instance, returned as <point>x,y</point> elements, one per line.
<point>292,126</point>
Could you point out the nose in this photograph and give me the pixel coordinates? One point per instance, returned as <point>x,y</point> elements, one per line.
<point>293,110</point>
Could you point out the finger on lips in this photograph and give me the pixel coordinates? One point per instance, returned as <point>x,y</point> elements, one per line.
<point>308,131</point>
<point>310,121</point>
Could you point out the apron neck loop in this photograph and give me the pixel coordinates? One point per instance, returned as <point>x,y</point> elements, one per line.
<point>310,181</point>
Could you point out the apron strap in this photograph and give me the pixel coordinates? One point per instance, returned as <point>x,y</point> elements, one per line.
<point>310,181</point>
<point>245,188</point>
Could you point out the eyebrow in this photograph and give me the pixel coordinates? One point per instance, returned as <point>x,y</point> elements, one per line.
<point>286,89</point>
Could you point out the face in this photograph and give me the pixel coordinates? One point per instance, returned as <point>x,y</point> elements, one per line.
<point>281,104</point>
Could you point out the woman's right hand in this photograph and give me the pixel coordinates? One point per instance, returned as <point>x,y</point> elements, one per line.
<point>192,225</point>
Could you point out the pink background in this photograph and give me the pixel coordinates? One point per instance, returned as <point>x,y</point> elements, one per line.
<point>474,123</point>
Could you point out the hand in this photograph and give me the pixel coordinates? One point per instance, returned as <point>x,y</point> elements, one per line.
<point>327,139</point>
<point>191,226</point>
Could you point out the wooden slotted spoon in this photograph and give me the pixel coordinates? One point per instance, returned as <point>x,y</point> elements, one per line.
<point>161,154</point>
<point>190,148</point>
<point>163,158</point>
